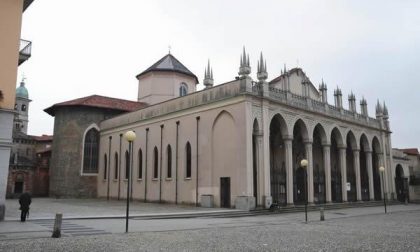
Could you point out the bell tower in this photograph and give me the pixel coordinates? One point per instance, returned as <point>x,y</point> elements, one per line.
<point>22,108</point>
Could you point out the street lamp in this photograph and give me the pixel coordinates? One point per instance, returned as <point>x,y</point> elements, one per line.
<point>382,170</point>
<point>304,164</point>
<point>129,136</point>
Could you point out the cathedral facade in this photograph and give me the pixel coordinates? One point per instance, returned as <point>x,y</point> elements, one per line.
<point>237,144</point>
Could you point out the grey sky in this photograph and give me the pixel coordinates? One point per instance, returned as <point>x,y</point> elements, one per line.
<point>90,47</point>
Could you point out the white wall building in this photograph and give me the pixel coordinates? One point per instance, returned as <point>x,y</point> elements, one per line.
<point>240,143</point>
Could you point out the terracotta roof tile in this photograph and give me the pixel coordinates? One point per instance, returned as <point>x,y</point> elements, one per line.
<point>98,101</point>
<point>411,151</point>
<point>43,138</point>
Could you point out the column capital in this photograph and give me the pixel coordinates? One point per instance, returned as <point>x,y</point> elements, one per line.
<point>342,146</point>
<point>258,133</point>
<point>326,145</point>
<point>288,138</point>
<point>307,142</point>
<point>356,150</point>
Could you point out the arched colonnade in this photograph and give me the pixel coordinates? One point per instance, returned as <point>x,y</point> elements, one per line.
<point>342,166</point>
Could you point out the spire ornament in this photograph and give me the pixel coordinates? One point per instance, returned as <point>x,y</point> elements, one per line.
<point>262,69</point>
<point>379,109</point>
<point>244,68</point>
<point>385,111</point>
<point>208,76</point>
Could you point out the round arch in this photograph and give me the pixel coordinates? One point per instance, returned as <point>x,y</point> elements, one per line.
<point>319,140</point>
<point>337,142</point>
<point>278,131</point>
<point>364,173</point>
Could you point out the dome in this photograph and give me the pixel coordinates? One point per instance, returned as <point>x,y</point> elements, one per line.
<point>21,91</point>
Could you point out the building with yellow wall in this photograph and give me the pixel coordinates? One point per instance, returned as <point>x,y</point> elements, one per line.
<point>14,51</point>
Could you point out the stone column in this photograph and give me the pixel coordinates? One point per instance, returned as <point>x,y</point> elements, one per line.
<point>310,172</point>
<point>289,169</point>
<point>260,170</point>
<point>266,155</point>
<point>327,171</point>
<point>343,172</point>
<point>370,174</point>
<point>356,156</point>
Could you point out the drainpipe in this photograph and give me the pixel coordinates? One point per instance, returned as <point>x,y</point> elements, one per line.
<point>176,164</point>
<point>160,172</point>
<point>109,166</point>
<point>145,167</point>
<point>119,168</point>
<point>196,159</point>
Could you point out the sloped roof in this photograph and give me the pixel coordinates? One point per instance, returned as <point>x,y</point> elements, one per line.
<point>98,101</point>
<point>169,64</point>
<point>411,151</point>
<point>43,138</point>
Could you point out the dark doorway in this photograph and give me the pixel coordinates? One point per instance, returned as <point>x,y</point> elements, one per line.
<point>300,185</point>
<point>399,183</point>
<point>18,187</point>
<point>225,192</point>
<point>254,168</point>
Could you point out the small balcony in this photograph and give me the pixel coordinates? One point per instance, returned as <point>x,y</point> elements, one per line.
<point>24,51</point>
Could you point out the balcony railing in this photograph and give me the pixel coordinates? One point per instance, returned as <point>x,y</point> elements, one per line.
<point>24,50</point>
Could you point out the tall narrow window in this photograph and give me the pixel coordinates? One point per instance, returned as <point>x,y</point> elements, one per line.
<point>140,176</point>
<point>116,166</point>
<point>183,89</point>
<point>169,162</point>
<point>91,147</point>
<point>155,163</point>
<point>188,160</point>
<point>127,164</point>
<point>105,166</point>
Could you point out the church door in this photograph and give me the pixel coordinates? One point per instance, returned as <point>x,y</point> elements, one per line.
<point>225,192</point>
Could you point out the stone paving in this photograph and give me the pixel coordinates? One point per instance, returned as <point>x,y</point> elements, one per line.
<point>361,229</point>
<point>43,208</point>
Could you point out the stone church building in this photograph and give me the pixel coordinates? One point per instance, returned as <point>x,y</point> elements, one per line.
<point>236,144</point>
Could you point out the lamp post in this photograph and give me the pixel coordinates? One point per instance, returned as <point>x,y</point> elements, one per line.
<point>382,170</point>
<point>304,164</point>
<point>129,136</point>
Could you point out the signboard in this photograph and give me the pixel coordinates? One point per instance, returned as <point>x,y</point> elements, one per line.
<point>348,186</point>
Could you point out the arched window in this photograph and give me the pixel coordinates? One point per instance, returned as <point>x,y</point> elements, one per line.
<point>105,166</point>
<point>116,166</point>
<point>91,151</point>
<point>183,89</point>
<point>23,107</point>
<point>140,176</point>
<point>188,160</point>
<point>155,163</point>
<point>169,161</point>
<point>127,164</point>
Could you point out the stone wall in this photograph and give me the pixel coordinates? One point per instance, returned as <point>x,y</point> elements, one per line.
<point>70,124</point>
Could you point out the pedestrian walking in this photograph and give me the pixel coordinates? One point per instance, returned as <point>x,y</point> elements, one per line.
<point>24,201</point>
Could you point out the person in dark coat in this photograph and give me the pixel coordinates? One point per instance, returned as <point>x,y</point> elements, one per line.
<point>24,201</point>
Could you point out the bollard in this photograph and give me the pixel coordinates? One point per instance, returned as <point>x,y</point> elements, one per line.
<point>57,225</point>
<point>321,211</point>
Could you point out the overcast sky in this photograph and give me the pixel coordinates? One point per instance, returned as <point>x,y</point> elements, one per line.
<point>90,47</point>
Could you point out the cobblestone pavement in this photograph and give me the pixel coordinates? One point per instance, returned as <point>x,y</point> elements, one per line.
<point>396,231</point>
<point>47,207</point>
